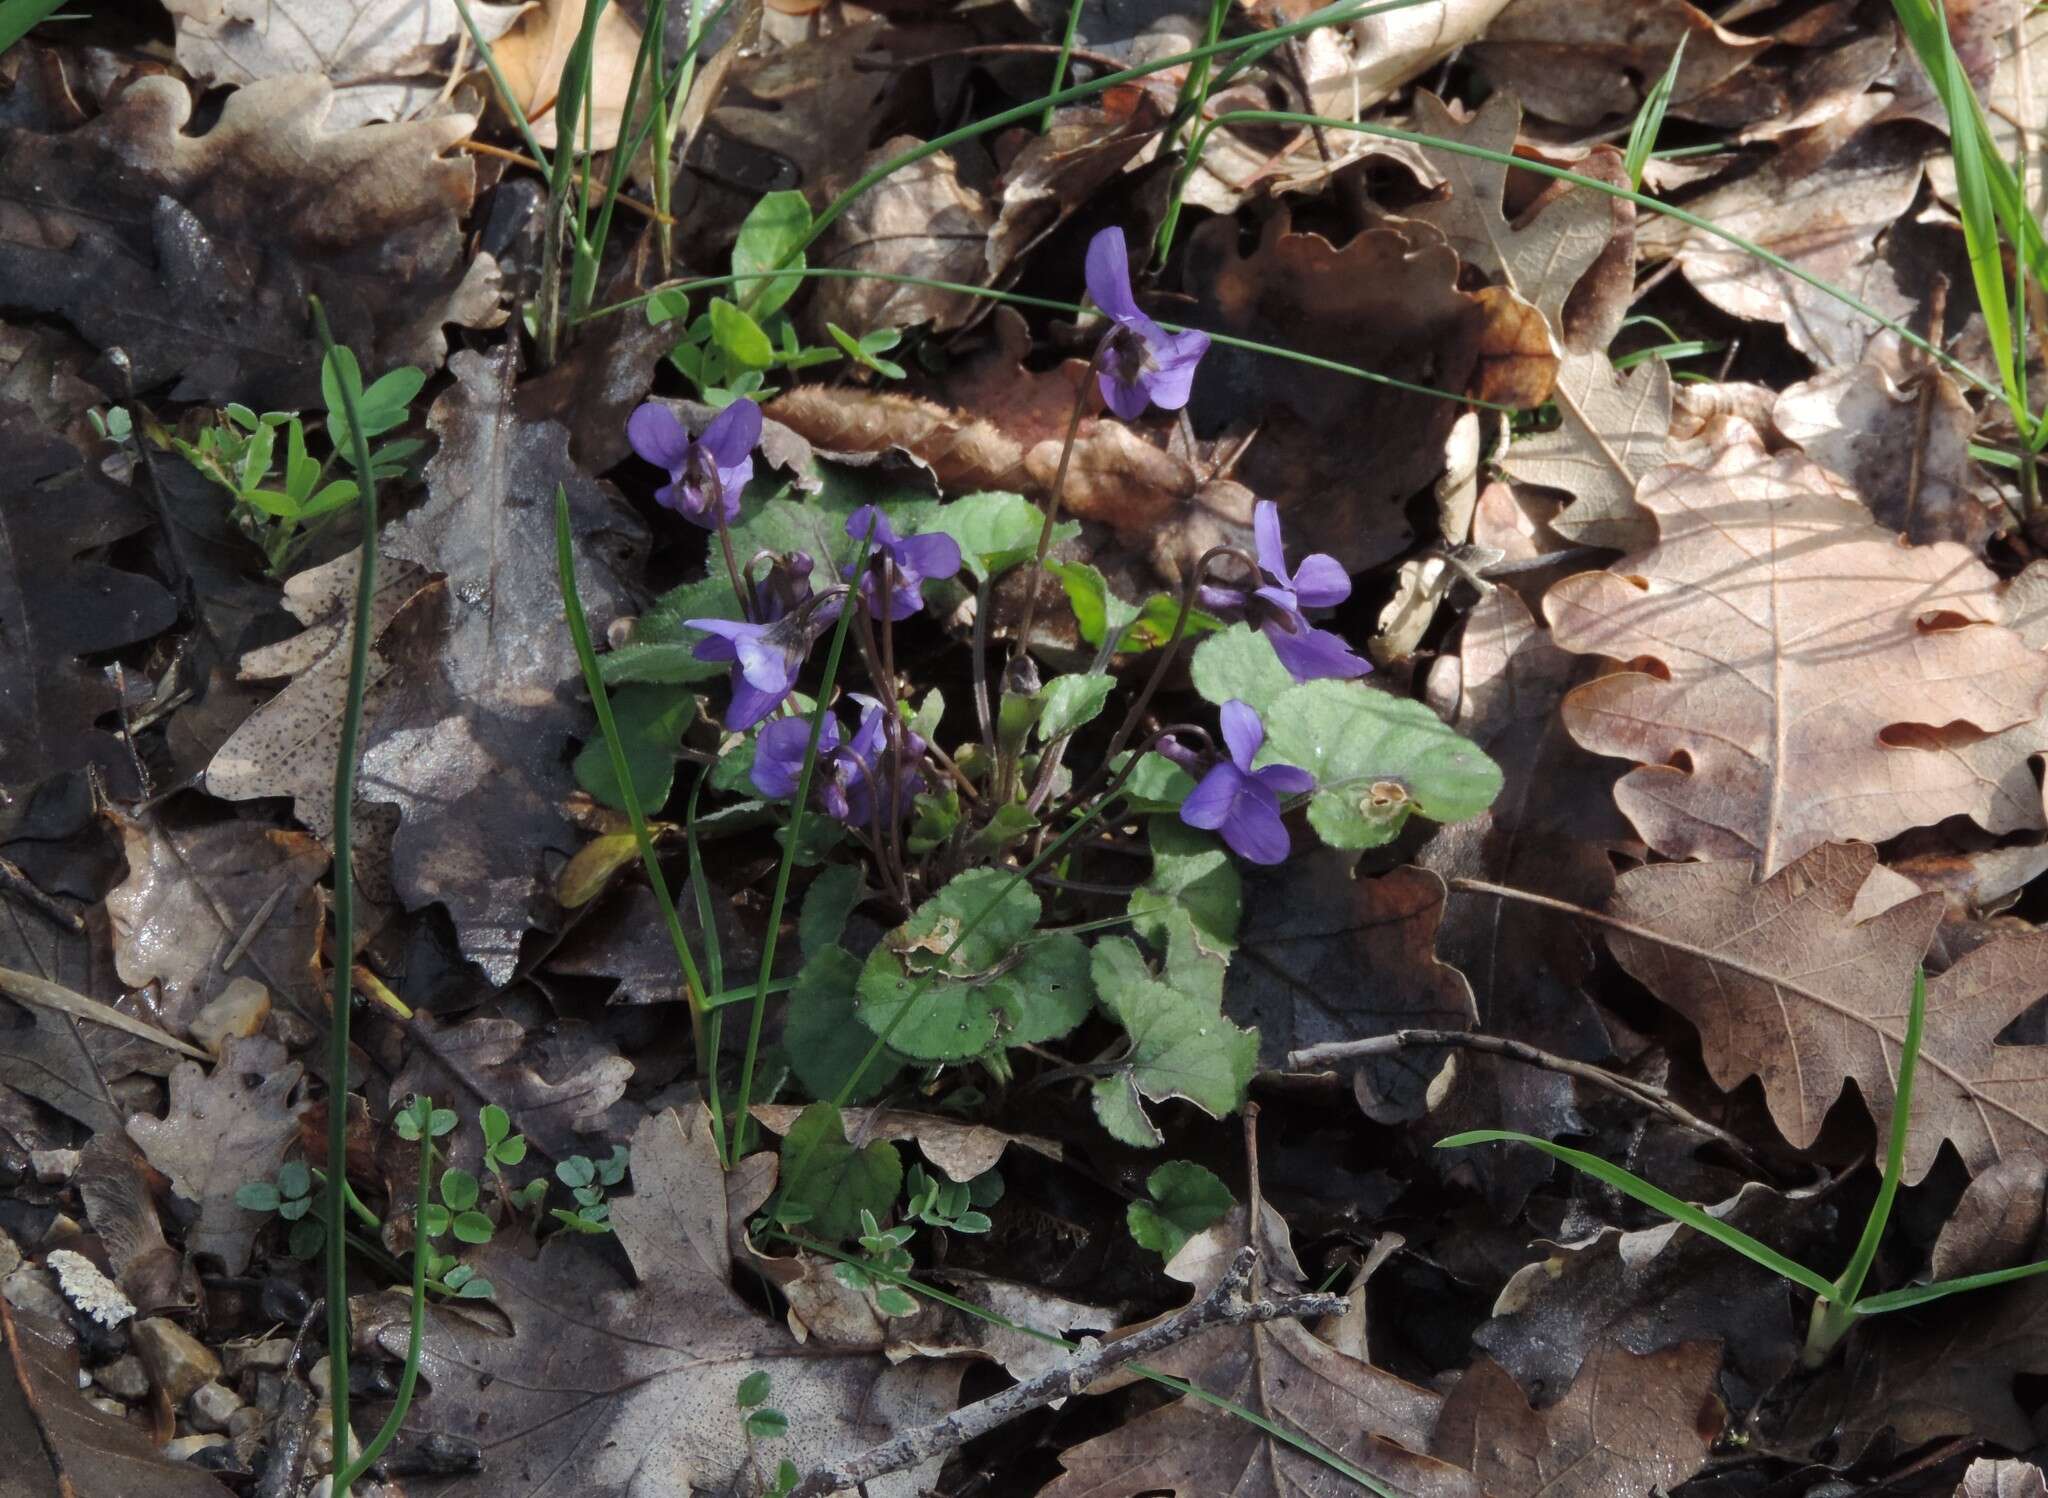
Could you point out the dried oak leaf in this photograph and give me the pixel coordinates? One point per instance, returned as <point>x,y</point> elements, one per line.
<point>1627,1425</point>
<point>1281,1371</point>
<point>1613,429</point>
<point>195,254</point>
<point>1825,217</point>
<point>962,452</point>
<point>1550,828</point>
<point>1786,985</point>
<point>194,892</point>
<point>55,606</point>
<point>471,741</point>
<point>45,1055</point>
<point>535,52</point>
<point>381,55</point>
<point>2006,66</point>
<point>1339,455</point>
<point>488,1060</point>
<point>612,1386</point>
<point>1541,255</point>
<point>1656,1288</point>
<point>1580,62</point>
<point>921,221</point>
<point>1324,956</point>
<point>58,1444</point>
<point>1800,673</point>
<point>1904,448</point>
<point>961,1151</point>
<point>1115,476</point>
<point>2008,1478</point>
<point>223,1130</point>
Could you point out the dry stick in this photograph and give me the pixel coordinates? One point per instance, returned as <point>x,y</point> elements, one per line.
<point>1335,1052</point>
<point>1929,377</point>
<point>1223,1306</point>
<point>15,880</point>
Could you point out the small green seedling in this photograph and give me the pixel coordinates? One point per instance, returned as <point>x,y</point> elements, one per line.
<point>454,1214</point>
<point>116,426</point>
<point>955,1205</point>
<point>884,1258</point>
<point>1185,1198</point>
<point>763,1423</point>
<point>1642,135</point>
<point>292,1200</point>
<point>588,1180</point>
<point>1840,1301</point>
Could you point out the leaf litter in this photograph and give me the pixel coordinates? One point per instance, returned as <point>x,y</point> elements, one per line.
<point>1717,612</point>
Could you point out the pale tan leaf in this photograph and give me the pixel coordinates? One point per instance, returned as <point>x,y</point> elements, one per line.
<point>1785,986</point>
<point>2009,1478</point>
<point>962,452</point>
<point>533,54</point>
<point>1614,429</point>
<point>921,221</point>
<point>1799,675</point>
<point>961,1150</point>
<point>1115,476</point>
<point>1627,1425</point>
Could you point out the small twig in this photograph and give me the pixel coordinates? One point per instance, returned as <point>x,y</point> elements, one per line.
<point>1342,1052</point>
<point>17,882</point>
<point>1223,1306</point>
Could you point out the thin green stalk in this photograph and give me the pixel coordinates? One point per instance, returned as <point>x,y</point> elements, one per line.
<point>402,1402</point>
<point>1578,179</point>
<point>512,106</point>
<point>714,957</point>
<point>346,754</point>
<point>568,109</point>
<point>1059,67</point>
<point>1194,92</point>
<point>1278,1432</point>
<point>590,250</point>
<point>1047,304</point>
<point>1835,1313</point>
<point>852,605</point>
<point>593,679</point>
<point>1642,135</point>
<point>19,17</point>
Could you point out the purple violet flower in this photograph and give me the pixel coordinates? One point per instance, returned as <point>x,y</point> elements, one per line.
<point>1240,802</point>
<point>706,473</point>
<point>1139,363</point>
<point>1276,605</point>
<point>912,561</point>
<point>767,653</point>
<point>843,778</point>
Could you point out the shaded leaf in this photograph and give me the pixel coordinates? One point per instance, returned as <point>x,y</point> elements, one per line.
<point>1185,1198</point>
<point>833,1180</point>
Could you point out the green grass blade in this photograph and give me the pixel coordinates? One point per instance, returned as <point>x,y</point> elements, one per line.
<point>615,749</point>
<point>19,17</point>
<point>1633,1185</point>
<point>1850,1285</point>
<point>1919,1295</point>
<point>1059,67</point>
<point>1642,135</point>
<point>401,1403</point>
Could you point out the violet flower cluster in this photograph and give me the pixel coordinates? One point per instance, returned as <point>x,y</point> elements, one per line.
<point>1239,802</point>
<point>909,562</point>
<point>705,473</point>
<point>849,769</point>
<point>1138,363</point>
<point>1275,605</point>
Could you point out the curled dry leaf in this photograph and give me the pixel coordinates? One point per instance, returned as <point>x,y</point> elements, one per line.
<point>1799,675</point>
<point>1904,448</point>
<point>533,53</point>
<point>54,510</point>
<point>474,731</point>
<point>1627,1424</point>
<point>1117,477</point>
<point>1280,1370</point>
<point>610,1386</point>
<point>962,452</point>
<point>196,894</point>
<point>382,56</point>
<point>195,254</point>
<point>113,1182</point>
<point>921,221</point>
<point>489,1060</point>
<point>960,1150</point>
<point>1785,985</point>
<point>225,1129</point>
<point>1581,62</point>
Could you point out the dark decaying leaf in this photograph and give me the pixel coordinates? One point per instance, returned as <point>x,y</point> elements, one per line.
<point>58,1445</point>
<point>1325,956</point>
<point>56,605</point>
<point>609,1386</point>
<point>113,1182</point>
<point>1627,1425</point>
<point>490,1060</point>
<point>470,743</point>
<point>195,254</point>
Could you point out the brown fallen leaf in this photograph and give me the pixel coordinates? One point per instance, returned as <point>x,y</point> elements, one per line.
<point>60,1446</point>
<point>1657,1288</point>
<point>2008,1478</point>
<point>960,1150</point>
<point>195,254</point>
<point>610,1386</point>
<point>920,221</point>
<point>1787,652</point>
<point>2010,43</point>
<point>225,1129</point>
<point>382,56</point>
<point>531,55</point>
<point>56,606</point>
<point>1581,62</point>
<point>1612,431</point>
<point>962,452</point>
<point>1627,1424</point>
<point>1115,476</point>
<point>197,893</point>
<point>1905,450</point>
<point>489,1060</point>
<point>1541,257</point>
<point>1826,218</point>
<point>46,1057</point>
<point>1280,1370</point>
<point>113,1182</point>
<point>2004,761</point>
<point>1325,956</point>
<point>1053,172</point>
<point>1785,986</point>
<point>473,733</point>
